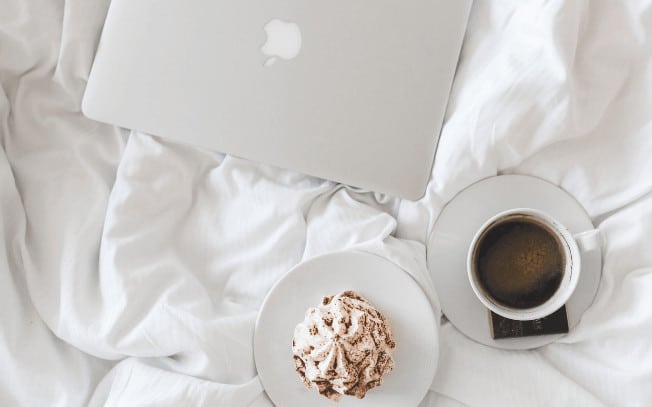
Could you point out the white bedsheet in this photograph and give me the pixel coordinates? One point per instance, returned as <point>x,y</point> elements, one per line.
<point>132,269</point>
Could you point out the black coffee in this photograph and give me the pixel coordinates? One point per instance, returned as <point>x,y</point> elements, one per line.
<point>520,262</point>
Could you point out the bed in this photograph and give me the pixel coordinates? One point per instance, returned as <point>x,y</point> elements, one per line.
<point>132,268</point>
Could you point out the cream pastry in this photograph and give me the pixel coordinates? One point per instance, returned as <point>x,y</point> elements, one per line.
<point>343,347</point>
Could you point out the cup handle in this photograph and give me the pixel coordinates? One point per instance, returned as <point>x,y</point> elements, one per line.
<point>588,241</point>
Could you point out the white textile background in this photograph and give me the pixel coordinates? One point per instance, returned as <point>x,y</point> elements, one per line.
<point>132,269</point>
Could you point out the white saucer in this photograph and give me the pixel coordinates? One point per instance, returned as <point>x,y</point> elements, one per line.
<point>387,287</point>
<point>460,219</point>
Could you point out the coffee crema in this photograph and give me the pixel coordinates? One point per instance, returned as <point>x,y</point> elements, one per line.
<point>519,262</point>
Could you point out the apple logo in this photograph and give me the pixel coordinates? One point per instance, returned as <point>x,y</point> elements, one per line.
<point>283,41</point>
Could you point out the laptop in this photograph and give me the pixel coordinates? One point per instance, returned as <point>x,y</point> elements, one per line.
<point>348,90</point>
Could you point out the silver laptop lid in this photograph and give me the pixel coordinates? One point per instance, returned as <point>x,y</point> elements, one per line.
<point>352,91</point>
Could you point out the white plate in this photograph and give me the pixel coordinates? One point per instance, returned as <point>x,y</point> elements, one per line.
<point>387,287</point>
<point>460,220</point>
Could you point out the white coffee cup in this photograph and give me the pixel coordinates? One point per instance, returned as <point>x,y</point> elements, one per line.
<point>572,246</point>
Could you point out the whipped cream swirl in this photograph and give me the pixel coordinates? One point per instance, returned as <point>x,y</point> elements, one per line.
<point>343,347</point>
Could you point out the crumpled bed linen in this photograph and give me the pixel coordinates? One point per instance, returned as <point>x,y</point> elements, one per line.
<point>132,268</point>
